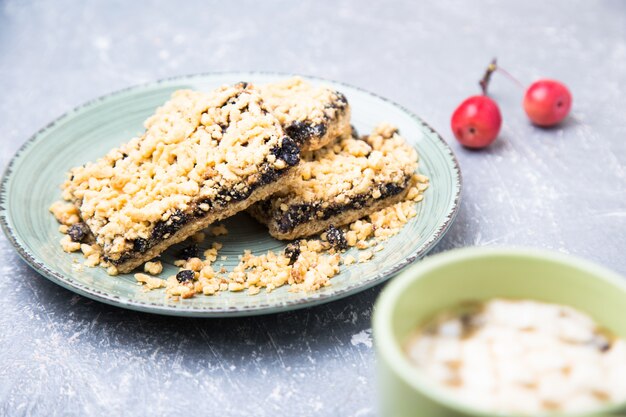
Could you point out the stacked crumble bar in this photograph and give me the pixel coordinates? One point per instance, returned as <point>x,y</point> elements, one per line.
<point>285,151</point>
<point>341,183</point>
<point>203,157</point>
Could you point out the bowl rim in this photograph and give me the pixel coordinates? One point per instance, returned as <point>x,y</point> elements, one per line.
<point>392,354</point>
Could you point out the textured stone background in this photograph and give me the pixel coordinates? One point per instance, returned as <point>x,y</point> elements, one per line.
<point>562,189</point>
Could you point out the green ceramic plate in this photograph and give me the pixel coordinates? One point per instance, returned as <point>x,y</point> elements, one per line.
<point>31,184</point>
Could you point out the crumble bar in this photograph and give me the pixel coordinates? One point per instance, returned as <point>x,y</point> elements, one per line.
<point>202,158</point>
<point>312,116</point>
<point>341,183</point>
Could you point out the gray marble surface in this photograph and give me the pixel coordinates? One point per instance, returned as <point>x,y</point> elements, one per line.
<point>562,189</point>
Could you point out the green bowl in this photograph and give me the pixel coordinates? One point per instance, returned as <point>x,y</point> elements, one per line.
<point>445,280</point>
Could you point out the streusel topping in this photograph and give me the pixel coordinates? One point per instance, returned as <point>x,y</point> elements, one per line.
<point>295,100</point>
<point>353,167</point>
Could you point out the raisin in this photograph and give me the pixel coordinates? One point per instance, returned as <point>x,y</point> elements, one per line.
<point>175,222</point>
<point>78,232</point>
<point>186,275</point>
<point>302,132</point>
<point>359,201</point>
<point>292,251</point>
<point>387,190</point>
<point>140,245</point>
<point>268,175</point>
<point>243,84</point>
<point>225,196</point>
<point>160,230</point>
<point>297,214</point>
<point>191,251</point>
<point>289,151</point>
<point>336,238</point>
<point>239,195</point>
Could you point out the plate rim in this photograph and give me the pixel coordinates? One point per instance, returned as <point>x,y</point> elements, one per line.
<point>216,312</point>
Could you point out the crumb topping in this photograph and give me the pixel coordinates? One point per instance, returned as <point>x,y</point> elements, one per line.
<point>307,112</point>
<point>199,151</point>
<point>354,167</point>
<point>295,100</point>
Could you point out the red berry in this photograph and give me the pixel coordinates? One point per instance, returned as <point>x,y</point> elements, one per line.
<point>547,102</point>
<point>476,122</point>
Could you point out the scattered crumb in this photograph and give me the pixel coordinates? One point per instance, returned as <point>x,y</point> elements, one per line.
<point>365,256</point>
<point>235,286</point>
<point>88,249</point>
<point>68,245</point>
<point>210,255</point>
<point>219,230</point>
<point>65,213</point>
<point>348,260</point>
<point>93,260</point>
<point>153,267</point>
<point>150,283</point>
<point>362,244</point>
<point>194,264</point>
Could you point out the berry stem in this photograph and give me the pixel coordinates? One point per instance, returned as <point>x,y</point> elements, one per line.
<point>484,82</point>
<point>493,67</point>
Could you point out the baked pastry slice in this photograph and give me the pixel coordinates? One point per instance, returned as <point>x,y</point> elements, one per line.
<point>311,115</point>
<point>341,183</point>
<point>202,158</point>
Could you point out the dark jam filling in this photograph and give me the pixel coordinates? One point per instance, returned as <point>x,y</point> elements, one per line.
<point>302,131</point>
<point>302,213</point>
<point>287,151</point>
